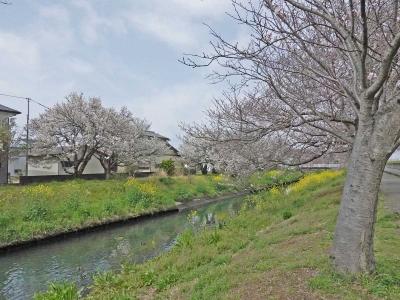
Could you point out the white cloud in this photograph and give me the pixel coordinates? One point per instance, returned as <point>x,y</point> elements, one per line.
<point>179,23</point>
<point>55,12</point>
<point>17,52</point>
<point>168,30</point>
<point>93,25</point>
<point>183,102</point>
<point>68,47</point>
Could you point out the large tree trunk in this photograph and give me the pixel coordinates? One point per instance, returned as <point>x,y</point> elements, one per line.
<point>107,171</point>
<point>353,250</point>
<point>204,169</point>
<point>107,166</point>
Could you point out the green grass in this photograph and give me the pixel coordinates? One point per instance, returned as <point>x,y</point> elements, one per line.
<point>274,177</point>
<point>277,247</point>
<point>36,210</point>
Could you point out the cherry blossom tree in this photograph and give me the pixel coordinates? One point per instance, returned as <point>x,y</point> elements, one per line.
<point>78,129</point>
<point>325,76</point>
<point>197,153</point>
<point>68,132</point>
<point>124,140</point>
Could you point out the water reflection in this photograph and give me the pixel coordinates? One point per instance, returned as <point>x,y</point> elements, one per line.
<point>76,259</point>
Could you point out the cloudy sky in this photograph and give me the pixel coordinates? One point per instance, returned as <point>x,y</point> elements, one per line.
<point>125,52</point>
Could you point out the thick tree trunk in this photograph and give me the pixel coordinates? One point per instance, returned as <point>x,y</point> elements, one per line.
<point>204,169</point>
<point>107,172</point>
<point>353,250</point>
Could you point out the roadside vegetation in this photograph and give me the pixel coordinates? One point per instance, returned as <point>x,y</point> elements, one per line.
<point>276,247</point>
<point>38,210</point>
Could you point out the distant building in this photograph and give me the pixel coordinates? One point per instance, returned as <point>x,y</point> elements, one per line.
<point>328,161</point>
<point>153,165</point>
<point>5,114</point>
<point>39,165</point>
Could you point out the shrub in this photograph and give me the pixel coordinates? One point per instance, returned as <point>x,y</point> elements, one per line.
<point>287,215</point>
<point>168,166</point>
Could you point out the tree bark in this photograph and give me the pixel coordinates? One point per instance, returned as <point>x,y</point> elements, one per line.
<point>107,171</point>
<point>353,248</point>
<point>204,169</point>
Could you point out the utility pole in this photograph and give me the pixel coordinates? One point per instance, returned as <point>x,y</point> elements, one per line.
<point>28,100</point>
<point>27,136</point>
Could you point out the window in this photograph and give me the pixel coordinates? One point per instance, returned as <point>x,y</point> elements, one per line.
<point>67,164</point>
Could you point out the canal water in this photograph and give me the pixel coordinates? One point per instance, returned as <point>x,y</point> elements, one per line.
<point>26,271</point>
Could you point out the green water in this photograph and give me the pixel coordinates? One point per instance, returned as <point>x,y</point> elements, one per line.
<point>26,271</point>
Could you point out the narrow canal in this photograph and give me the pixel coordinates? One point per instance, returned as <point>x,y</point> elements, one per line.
<point>26,271</point>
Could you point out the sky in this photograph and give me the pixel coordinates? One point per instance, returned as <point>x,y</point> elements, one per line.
<point>124,51</point>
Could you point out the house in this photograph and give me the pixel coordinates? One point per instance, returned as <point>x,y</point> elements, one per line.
<point>39,165</point>
<point>153,165</point>
<point>5,114</point>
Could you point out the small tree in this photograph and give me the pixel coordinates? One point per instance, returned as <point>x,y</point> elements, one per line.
<point>168,166</point>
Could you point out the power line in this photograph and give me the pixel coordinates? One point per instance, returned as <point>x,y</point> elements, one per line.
<point>25,98</point>
<point>28,101</point>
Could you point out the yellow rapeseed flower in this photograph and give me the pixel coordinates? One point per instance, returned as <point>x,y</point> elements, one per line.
<point>41,190</point>
<point>314,179</point>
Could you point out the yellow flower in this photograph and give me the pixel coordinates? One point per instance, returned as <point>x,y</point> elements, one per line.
<point>273,173</point>
<point>314,179</point>
<point>275,191</point>
<point>218,178</point>
<point>40,191</point>
<point>131,182</point>
<point>148,188</point>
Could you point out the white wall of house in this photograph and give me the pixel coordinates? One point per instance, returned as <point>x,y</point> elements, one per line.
<point>50,168</point>
<point>16,167</point>
<point>40,167</point>
<point>93,167</point>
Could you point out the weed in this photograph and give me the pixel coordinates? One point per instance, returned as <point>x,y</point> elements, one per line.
<point>287,214</point>
<point>59,291</point>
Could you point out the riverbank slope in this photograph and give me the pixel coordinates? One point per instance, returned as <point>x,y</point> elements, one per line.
<point>277,247</point>
<point>37,212</point>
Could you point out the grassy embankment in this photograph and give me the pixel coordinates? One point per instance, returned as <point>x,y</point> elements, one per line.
<point>28,212</point>
<point>278,247</point>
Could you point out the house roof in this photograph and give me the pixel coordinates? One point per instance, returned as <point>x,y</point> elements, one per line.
<point>9,110</point>
<point>157,135</point>
<point>164,138</point>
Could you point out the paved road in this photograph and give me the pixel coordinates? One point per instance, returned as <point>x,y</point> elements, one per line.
<point>390,187</point>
